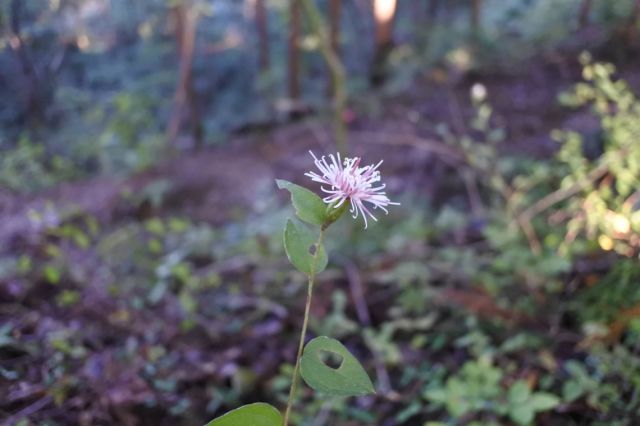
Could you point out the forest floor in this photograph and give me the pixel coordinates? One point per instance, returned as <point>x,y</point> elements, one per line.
<point>97,360</point>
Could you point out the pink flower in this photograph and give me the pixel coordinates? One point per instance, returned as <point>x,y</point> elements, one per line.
<point>350,182</point>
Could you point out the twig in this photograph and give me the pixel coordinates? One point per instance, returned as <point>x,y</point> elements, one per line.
<point>526,216</point>
<point>562,194</point>
<point>29,410</point>
<point>321,418</point>
<point>473,193</point>
<point>22,394</point>
<point>632,200</point>
<point>320,135</point>
<point>456,115</point>
<point>357,294</point>
<point>448,154</point>
<point>530,233</point>
<point>236,302</point>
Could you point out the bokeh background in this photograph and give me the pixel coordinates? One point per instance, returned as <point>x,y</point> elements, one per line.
<point>142,274</point>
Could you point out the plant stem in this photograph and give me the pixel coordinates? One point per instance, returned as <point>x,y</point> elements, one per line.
<point>336,68</point>
<point>303,333</point>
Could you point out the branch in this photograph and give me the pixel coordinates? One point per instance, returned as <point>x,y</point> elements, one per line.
<point>447,153</point>
<point>526,216</point>
<point>562,194</point>
<point>362,310</point>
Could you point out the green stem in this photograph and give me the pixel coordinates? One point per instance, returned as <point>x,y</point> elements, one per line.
<point>336,68</point>
<point>303,333</point>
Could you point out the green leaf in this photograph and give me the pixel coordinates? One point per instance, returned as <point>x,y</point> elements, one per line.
<point>438,396</point>
<point>522,414</point>
<point>542,401</point>
<point>258,414</point>
<point>348,379</point>
<point>309,207</point>
<point>519,392</point>
<point>300,244</point>
<point>572,390</point>
<point>52,274</point>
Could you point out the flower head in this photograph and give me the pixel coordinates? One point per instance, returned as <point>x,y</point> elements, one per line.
<point>349,181</point>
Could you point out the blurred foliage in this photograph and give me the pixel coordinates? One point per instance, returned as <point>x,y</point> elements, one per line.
<point>476,388</point>
<point>100,75</point>
<point>608,208</point>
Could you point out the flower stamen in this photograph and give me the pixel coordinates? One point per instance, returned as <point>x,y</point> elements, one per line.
<point>349,181</point>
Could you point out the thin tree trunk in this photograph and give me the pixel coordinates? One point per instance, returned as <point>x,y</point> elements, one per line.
<point>335,14</point>
<point>384,13</point>
<point>434,8</point>
<point>451,8</point>
<point>418,13</point>
<point>263,35</point>
<point>585,12</point>
<point>185,103</point>
<point>634,21</point>
<point>475,15</point>
<point>294,50</point>
<point>34,93</point>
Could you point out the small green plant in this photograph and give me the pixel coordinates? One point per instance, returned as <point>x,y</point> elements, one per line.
<point>477,388</point>
<point>29,167</point>
<point>325,364</point>
<point>582,384</point>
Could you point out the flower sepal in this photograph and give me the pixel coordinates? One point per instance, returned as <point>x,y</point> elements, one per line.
<point>334,213</point>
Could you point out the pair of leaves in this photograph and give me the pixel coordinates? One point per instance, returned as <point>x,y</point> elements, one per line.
<point>299,241</point>
<point>258,414</point>
<point>523,404</point>
<point>348,379</point>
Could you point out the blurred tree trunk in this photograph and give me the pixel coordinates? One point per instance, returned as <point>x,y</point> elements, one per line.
<point>585,12</point>
<point>420,17</point>
<point>335,14</point>
<point>451,8</point>
<point>185,18</point>
<point>476,7</point>
<point>634,21</point>
<point>263,35</point>
<point>294,51</point>
<point>384,12</point>
<point>434,8</point>
<point>34,95</point>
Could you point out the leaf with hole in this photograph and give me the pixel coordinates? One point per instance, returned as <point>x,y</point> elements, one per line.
<point>348,379</point>
<point>300,246</point>
<point>258,414</point>
<point>309,207</point>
